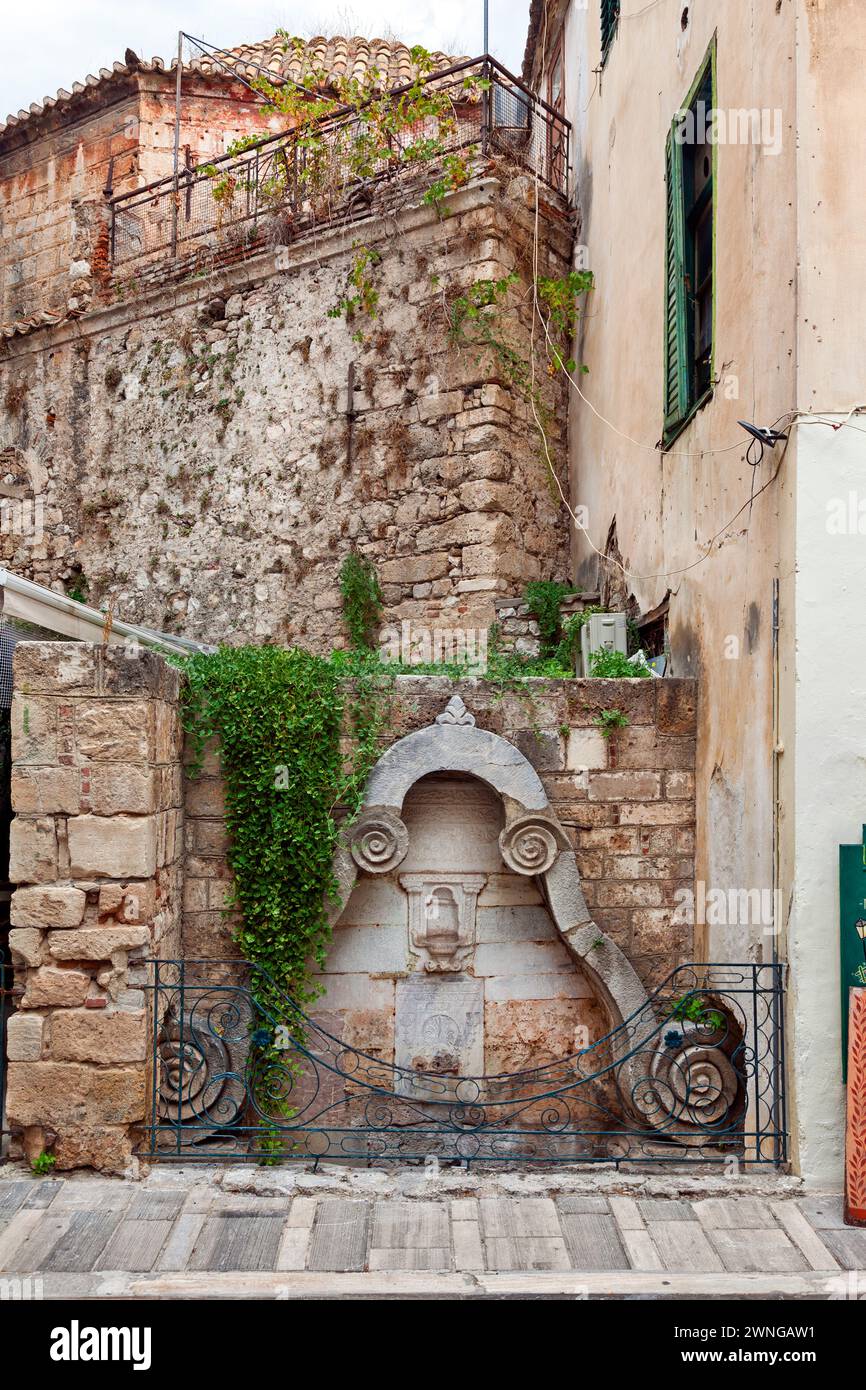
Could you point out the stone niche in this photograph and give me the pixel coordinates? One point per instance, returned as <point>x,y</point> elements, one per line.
<point>450,962</point>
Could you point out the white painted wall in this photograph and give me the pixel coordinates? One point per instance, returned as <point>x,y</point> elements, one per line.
<point>829,777</point>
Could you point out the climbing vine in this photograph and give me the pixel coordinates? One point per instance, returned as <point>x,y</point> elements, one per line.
<point>487,317</point>
<point>360,294</point>
<point>278,716</point>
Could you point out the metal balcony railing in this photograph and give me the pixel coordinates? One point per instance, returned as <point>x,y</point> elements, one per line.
<point>282,174</point>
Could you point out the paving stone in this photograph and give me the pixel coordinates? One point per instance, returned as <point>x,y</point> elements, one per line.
<point>44,1193</point>
<point>593,1242</point>
<point>504,1218</point>
<point>627,1213</point>
<point>640,1249</point>
<point>733,1214</point>
<point>464,1209</point>
<point>468,1251</point>
<point>82,1242</point>
<point>684,1245</point>
<point>339,1241</point>
<point>660,1209</point>
<point>533,1253</point>
<point>157,1205</point>
<point>17,1233</point>
<point>807,1240</point>
<point>182,1240</point>
<point>429,1257</point>
<point>397,1225</point>
<point>824,1213</point>
<point>848,1245</point>
<point>582,1206</point>
<point>135,1244</point>
<point>757,1252</point>
<point>12,1196</point>
<point>186,1229</point>
<point>237,1243</point>
<point>92,1195</point>
<point>302,1212</point>
<point>294,1247</point>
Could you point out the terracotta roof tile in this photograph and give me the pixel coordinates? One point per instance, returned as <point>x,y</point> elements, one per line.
<point>355,57</point>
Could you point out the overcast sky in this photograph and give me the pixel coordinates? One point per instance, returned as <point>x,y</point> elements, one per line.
<point>48,44</point>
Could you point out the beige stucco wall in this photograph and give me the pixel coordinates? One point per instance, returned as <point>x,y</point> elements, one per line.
<point>790,269</point>
<point>668,506</point>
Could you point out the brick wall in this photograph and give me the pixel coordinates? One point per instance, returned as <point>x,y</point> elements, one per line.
<point>54,171</point>
<point>96,854</point>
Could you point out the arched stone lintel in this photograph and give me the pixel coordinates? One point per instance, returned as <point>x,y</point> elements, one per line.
<point>455,748</point>
<point>533,842</point>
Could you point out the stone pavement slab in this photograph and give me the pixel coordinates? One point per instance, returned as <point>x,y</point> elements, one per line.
<point>340,1235</point>
<point>455,1235</point>
<point>237,1242</point>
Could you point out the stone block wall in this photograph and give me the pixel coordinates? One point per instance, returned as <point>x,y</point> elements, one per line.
<point>96,848</point>
<point>199,458</point>
<point>627,804</point>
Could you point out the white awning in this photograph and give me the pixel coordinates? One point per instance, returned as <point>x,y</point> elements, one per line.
<point>33,603</point>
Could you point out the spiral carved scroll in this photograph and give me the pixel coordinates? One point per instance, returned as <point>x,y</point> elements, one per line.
<point>529,845</point>
<point>379,842</point>
<point>693,1090</point>
<point>200,1078</point>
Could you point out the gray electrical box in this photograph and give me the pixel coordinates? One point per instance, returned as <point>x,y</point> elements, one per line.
<point>603,632</point>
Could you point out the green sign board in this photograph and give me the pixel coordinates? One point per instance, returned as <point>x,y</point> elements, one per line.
<point>852,916</point>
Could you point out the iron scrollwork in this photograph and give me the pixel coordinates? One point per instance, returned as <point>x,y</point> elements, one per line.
<point>694,1075</point>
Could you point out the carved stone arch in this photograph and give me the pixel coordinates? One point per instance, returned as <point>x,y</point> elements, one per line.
<point>533,842</point>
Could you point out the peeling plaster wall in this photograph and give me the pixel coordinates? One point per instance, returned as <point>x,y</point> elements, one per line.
<point>790,270</point>
<point>195,456</point>
<point>667,507</point>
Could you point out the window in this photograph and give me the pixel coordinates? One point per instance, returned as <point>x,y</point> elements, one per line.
<point>690,254</point>
<point>609,20</point>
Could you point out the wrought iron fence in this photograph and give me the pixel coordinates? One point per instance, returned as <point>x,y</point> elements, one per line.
<point>283,175</point>
<point>693,1076</point>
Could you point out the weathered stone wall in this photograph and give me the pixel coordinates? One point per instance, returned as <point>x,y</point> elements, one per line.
<point>55,170</point>
<point>197,457</point>
<point>96,856</point>
<point>52,178</point>
<point>627,803</point>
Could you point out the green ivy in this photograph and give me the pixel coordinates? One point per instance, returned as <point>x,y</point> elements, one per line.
<point>569,645</point>
<point>362,599</point>
<point>279,715</point>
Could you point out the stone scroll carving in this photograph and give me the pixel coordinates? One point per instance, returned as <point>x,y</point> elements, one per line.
<point>533,843</point>
<point>379,841</point>
<point>530,845</point>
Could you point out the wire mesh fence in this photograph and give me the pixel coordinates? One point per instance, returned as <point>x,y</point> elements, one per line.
<point>319,180</point>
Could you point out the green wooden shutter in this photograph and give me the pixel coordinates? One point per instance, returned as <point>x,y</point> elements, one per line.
<point>676,336</point>
<point>609,20</point>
